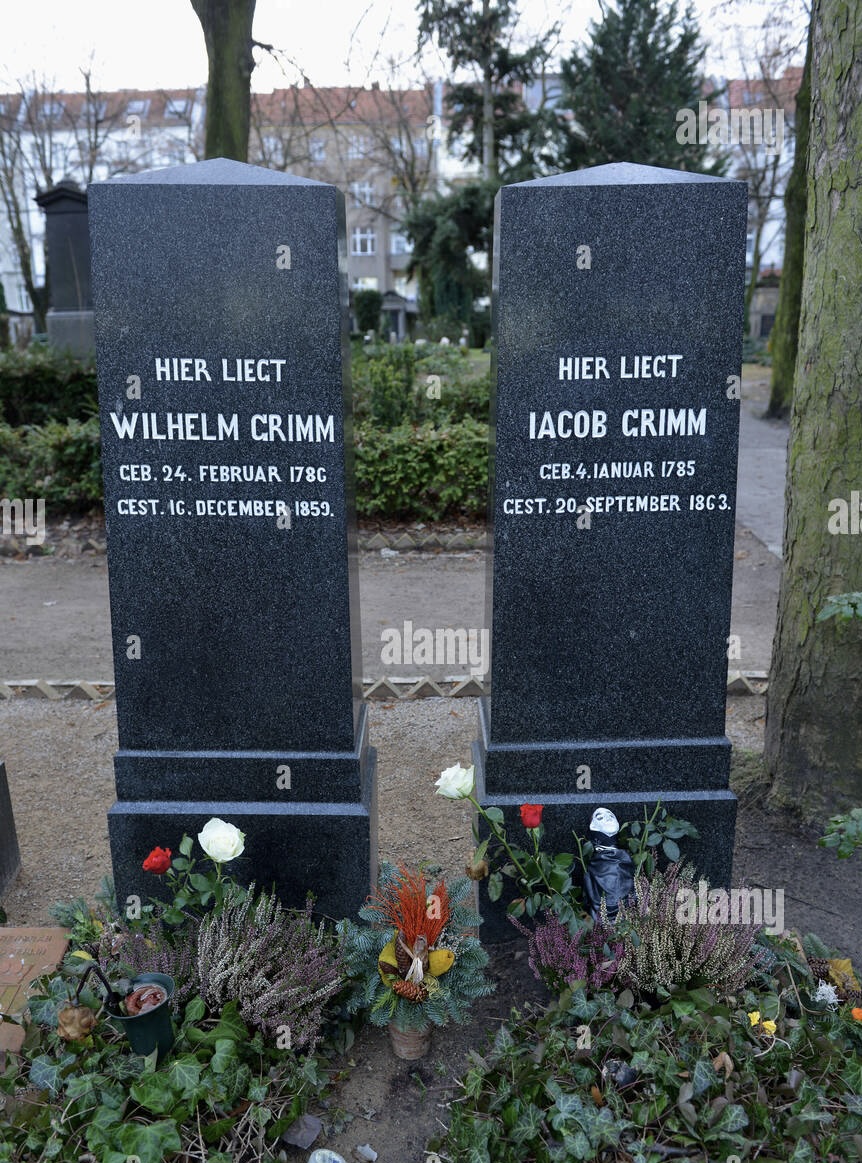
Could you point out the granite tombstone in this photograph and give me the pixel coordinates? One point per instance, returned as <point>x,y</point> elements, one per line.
<point>618,308</point>
<point>70,315</point>
<point>10,855</point>
<point>220,294</point>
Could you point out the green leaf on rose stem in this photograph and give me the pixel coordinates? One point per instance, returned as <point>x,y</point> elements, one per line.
<point>186,845</point>
<point>199,882</point>
<point>179,864</point>
<point>670,849</point>
<point>495,886</point>
<point>517,907</point>
<point>482,848</point>
<point>654,839</point>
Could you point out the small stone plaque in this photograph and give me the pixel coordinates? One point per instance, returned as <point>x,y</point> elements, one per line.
<point>25,954</point>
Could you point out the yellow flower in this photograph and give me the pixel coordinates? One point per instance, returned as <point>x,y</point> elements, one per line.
<point>769,1026</point>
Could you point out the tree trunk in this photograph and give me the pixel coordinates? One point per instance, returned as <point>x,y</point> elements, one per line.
<point>489,158</point>
<point>784,340</point>
<point>813,725</point>
<point>227,33</point>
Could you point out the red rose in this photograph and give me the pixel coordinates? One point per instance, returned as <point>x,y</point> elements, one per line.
<point>531,815</point>
<point>158,861</point>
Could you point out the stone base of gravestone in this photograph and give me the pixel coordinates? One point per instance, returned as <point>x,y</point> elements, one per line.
<point>567,815</point>
<point>326,847</point>
<point>10,856</point>
<point>72,331</point>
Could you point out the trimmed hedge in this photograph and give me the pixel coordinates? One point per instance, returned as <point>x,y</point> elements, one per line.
<point>42,384</point>
<point>60,462</point>
<point>422,471</point>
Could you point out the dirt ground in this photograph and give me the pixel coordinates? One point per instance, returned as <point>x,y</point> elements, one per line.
<point>59,758</point>
<point>54,624</point>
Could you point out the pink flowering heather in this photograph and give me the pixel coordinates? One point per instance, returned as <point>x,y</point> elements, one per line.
<point>560,960</point>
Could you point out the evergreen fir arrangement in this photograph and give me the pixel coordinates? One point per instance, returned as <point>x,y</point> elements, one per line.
<point>415,963</point>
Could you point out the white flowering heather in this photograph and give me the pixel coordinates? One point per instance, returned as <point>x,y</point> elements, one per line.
<point>661,951</point>
<point>278,966</point>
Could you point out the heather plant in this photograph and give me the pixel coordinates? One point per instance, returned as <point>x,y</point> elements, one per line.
<point>148,947</point>
<point>663,950</point>
<point>562,961</point>
<point>277,965</point>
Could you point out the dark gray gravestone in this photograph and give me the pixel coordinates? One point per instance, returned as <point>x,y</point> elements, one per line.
<point>618,299</point>
<point>220,292</point>
<point>70,315</point>
<point>10,857</point>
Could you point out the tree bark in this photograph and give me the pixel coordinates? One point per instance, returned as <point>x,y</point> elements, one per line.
<point>489,158</point>
<point>814,725</point>
<point>784,340</point>
<point>227,33</point>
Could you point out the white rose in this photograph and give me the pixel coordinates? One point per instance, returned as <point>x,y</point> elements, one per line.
<point>455,783</point>
<point>221,841</point>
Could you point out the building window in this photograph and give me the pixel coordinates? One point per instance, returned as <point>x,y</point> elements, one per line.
<point>366,283</point>
<point>317,150</point>
<point>400,244</point>
<point>362,193</point>
<point>138,107</point>
<point>420,146</point>
<point>363,240</point>
<point>52,110</point>
<point>355,146</point>
<point>178,108</point>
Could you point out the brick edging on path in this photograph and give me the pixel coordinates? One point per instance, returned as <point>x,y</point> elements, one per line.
<point>390,687</point>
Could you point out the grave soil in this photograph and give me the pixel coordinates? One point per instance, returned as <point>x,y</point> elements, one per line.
<point>59,759</point>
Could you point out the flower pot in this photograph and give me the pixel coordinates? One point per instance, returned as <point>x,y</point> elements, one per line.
<point>410,1044</point>
<point>151,1029</point>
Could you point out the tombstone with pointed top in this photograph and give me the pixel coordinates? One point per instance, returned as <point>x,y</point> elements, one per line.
<point>220,292</point>
<point>618,314</point>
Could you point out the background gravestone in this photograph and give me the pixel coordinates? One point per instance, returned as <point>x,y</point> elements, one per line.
<point>618,300</point>
<point>220,293</point>
<point>10,856</point>
<point>70,313</point>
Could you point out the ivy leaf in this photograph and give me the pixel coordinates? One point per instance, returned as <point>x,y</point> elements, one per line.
<point>151,1142</point>
<point>184,1074</point>
<point>225,1053</point>
<point>154,1093</point>
<point>195,1010</point>
<point>45,1074</point>
<point>703,1076</point>
<point>732,1118</point>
